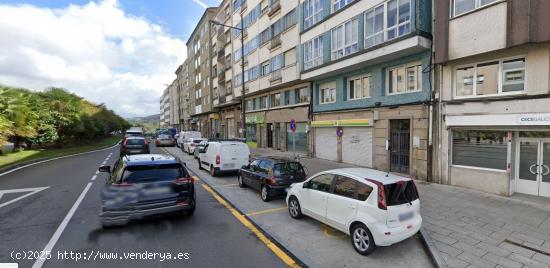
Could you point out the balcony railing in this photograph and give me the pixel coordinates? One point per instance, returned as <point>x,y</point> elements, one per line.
<point>275,42</point>
<point>221,53</point>
<point>274,7</point>
<point>275,76</point>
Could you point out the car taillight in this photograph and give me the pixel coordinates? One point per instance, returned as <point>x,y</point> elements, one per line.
<point>125,142</point>
<point>218,159</point>
<point>271,180</point>
<point>193,145</point>
<point>123,184</point>
<point>146,142</point>
<point>184,180</point>
<point>381,194</point>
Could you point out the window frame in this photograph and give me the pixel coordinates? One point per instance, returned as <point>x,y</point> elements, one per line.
<point>340,31</point>
<point>362,79</point>
<point>312,61</point>
<point>340,5</point>
<point>317,8</point>
<point>477,6</point>
<point>415,64</point>
<point>500,76</point>
<point>385,27</point>
<point>330,90</point>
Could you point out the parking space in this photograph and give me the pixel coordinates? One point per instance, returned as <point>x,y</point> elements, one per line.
<point>314,243</point>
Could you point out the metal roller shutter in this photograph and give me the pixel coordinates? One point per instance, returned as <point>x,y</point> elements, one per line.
<point>325,143</point>
<point>357,146</point>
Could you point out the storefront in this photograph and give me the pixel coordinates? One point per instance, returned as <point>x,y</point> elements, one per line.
<point>502,154</point>
<point>277,129</point>
<point>253,123</point>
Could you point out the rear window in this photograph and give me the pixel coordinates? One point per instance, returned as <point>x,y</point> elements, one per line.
<point>135,142</point>
<point>400,193</point>
<point>197,141</point>
<point>152,173</point>
<point>288,168</point>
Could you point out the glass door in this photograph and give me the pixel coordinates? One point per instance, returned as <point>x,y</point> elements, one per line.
<point>527,182</point>
<point>544,186</point>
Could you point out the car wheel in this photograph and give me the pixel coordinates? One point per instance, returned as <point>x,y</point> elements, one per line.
<point>294,208</point>
<point>362,239</point>
<point>192,210</point>
<point>213,172</point>
<point>200,166</point>
<point>264,193</point>
<point>241,182</point>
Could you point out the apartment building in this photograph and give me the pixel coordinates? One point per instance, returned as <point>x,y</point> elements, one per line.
<point>369,63</point>
<point>199,66</point>
<point>274,93</point>
<point>174,103</point>
<point>165,108</point>
<point>493,61</point>
<point>183,96</point>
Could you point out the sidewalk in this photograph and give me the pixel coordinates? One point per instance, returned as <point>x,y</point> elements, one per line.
<point>472,228</point>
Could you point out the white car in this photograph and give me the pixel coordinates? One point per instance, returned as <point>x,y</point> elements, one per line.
<point>184,135</point>
<point>224,156</point>
<point>373,207</point>
<point>190,144</point>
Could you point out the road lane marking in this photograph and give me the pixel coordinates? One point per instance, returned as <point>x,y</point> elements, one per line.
<point>265,211</point>
<point>40,261</point>
<point>242,218</point>
<point>103,163</point>
<point>94,177</point>
<point>55,158</point>
<point>225,185</point>
<point>331,232</point>
<point>31,190</point>
<point>196,178</point>
<point>97,172</point>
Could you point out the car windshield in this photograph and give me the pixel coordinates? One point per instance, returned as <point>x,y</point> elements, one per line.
<point>288,168</point>
<point>400,193</point>
<point>152,173</point>
<point>197,141</point>
<point>135,142</point>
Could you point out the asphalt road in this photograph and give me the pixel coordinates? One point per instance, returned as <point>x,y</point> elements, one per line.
<point>212,237</point>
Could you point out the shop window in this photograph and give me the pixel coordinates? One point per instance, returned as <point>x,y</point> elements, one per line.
<point>498,77</point>
<point>300,135</point>
<point>480,148</point>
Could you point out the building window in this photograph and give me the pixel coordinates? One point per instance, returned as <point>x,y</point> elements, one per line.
<point>249,105</point>
<point>358,87</point>
<point>338,4</point>
<point>491,78</point>
<point>265,36</point>
<point>290,56</point>
<point>313,52</point>
<point>459,7</point>
<point>287,97</point>
<point>266,68</point>
<point>313,12</point>
<point>344,39</point>
<point>397,23</point>
<point>404,78</point>
<point>276,100</point>
<point>480,148</point>
<point>301,95</point>
<point>327,93</point>
<point>277,62</point>
<point>263,102</point>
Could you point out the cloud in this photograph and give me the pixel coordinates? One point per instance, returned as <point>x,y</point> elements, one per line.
<point>95,50</point>
<point>201,3</point>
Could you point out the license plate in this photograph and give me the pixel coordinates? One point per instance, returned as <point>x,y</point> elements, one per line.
<point>229,165</point>
<point>406,216</point>
<point>135,151</point>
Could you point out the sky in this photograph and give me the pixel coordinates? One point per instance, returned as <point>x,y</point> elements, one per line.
<point>121,53</point>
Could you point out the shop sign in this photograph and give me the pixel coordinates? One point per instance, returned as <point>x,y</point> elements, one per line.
<point>534,119</point>
<point>342,123</point>
<point>255,119</point>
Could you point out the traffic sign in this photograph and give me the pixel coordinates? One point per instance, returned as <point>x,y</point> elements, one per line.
<point>293,125</point>
<point>339,131</point>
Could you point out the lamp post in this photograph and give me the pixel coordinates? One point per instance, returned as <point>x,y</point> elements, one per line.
<point>243,104</point>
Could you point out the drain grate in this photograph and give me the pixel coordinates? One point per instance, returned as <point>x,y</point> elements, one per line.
<point>527,247</point>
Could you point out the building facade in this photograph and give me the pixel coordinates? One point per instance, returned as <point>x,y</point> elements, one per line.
<point>165,108</point>
<point>369,64</point>
<point>494,120</point>
<point>199,66</point>
<point>174,104</point>
<point>183,96</point>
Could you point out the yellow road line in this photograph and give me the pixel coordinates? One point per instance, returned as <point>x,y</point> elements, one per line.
<point>196,178</point>
<point>265,211</point>
<point>272,246</point>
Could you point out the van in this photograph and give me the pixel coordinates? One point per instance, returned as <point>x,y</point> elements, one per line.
<point>224,156</point>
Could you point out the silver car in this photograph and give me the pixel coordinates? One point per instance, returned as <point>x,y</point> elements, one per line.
<point>165,140</point>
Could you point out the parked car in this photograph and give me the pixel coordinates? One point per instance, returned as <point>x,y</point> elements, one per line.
<point>224,156</point>
<point>165,140</point>
<point>373,207</point>
<point>145,185</point>
<point>134,145</point>
<point>200,147</point>
<point>271,175</point>
<point>184,135</point>
<point>191,143</point>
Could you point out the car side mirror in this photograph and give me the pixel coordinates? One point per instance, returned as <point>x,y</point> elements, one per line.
<point>105,169</point>
<point>244,167</point>
<point>306,185</point>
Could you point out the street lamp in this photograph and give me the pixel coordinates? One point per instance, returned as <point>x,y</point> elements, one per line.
<point>243,106</point>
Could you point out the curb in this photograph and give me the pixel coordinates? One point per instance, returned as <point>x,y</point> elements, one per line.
<point>432,249</point>
<point>13,168</point>
<point>264,232</point>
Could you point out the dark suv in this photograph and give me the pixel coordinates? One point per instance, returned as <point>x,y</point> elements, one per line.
<point>146,185</point>
<point>271,175</point>
<point>134,145</point>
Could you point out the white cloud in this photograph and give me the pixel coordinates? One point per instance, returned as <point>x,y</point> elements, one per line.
<point>95,50</point>
<point>201,3</point>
